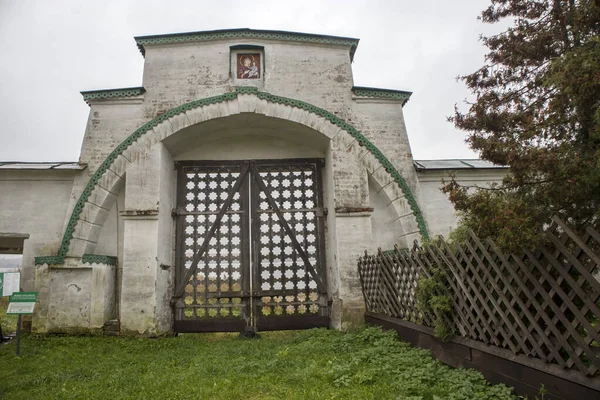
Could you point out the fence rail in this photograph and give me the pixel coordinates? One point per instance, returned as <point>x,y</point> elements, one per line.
<point>542,303</point>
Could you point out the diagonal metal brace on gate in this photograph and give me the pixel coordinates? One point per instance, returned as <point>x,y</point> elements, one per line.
<point>226,205</point>
<point>286,227</point>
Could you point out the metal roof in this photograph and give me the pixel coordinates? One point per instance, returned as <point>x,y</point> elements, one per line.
<point>432,165</point>
<point>20,165</point>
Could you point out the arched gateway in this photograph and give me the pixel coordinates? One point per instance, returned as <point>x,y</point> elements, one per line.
<point>240,209</point>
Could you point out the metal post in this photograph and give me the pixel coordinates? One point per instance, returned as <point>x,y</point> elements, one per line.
<point>18,334</point>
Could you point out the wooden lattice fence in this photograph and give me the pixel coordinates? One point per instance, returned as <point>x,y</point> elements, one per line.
<point>542,303</point>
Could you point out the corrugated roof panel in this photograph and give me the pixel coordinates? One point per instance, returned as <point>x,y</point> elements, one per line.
<point>27,166</point>
<point>40,165</point>
<point>454,164</point>
<point>482,164</point>
<point>70,166</point>
<point>443,164</point>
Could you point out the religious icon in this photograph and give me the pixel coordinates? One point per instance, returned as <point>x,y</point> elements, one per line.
<point>248,66</point>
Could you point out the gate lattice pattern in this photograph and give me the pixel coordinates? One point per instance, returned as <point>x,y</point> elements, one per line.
<point>250,246</point>
<point>288,288</point>
<point>215,290</point>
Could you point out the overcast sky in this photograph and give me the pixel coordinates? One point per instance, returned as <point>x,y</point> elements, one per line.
<point>50,50</point>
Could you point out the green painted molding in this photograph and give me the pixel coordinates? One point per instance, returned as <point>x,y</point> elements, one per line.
<point>369,92</point>
<point>362,140</point>
<point>245,33</point>
<point>112,93</point>
<point>99,259</point>
<point>85,259</point>
<point>49,260</point>
<point>246,89</point>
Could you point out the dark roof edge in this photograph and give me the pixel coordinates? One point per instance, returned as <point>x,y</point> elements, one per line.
<point>112,93</point>
<point>244,30</point>
<point>379,93</point>
<point>245,33</point>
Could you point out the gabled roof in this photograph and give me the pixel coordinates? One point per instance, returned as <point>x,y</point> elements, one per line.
<point>245,33</point>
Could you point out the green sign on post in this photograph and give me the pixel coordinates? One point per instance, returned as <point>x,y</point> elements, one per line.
<point>22,303</point>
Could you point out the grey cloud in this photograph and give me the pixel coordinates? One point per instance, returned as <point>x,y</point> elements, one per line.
<point>51,50</point>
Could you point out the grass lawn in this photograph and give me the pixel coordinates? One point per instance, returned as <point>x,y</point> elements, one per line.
<point>314,364</point>
<point>8,322</point>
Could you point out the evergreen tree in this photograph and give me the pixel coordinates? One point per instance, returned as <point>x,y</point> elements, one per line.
<point>537,111</point>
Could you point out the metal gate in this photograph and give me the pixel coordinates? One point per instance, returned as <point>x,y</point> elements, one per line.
<point>250,246</point>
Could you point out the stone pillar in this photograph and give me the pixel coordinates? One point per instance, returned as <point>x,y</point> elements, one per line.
<point>147,244</point>
<point>353,235</point>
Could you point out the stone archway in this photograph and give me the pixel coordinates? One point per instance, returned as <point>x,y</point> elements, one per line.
<point>86,219</point>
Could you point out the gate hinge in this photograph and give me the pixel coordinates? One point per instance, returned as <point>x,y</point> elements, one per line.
<point>321,212</point>
<point>175,212</point>
<point>176,302</point>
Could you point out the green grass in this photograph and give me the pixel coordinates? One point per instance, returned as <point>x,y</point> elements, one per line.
<point>8,322</point>
<point>314,364</point>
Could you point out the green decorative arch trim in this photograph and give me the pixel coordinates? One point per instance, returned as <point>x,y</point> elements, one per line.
<point>112,93</point>
<point>362,140</point>
<point>361,91</point>
<point>245,33</point>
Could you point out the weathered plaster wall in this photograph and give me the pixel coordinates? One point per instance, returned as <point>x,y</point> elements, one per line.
<point>349,178</point>
<point>382,122</point>
<point>35,202</point>
<point>110,122</point>
<point>331,253</point>
<point>148,243</point>
<point>166,241</point>
<point>110,242</point>
<point>111,235</point>
<point>69,302</point>
<point>73,297</point>
<point>178,73</point>
<point>439,213</point>
<point>386,230</point>
<point>354,235</point>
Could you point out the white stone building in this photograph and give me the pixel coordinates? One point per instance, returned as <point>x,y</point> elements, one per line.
<point>173,218</point>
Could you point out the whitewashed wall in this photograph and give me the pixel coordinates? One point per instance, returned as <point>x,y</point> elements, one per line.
<point>35,202</point>
<point>439,213</point>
